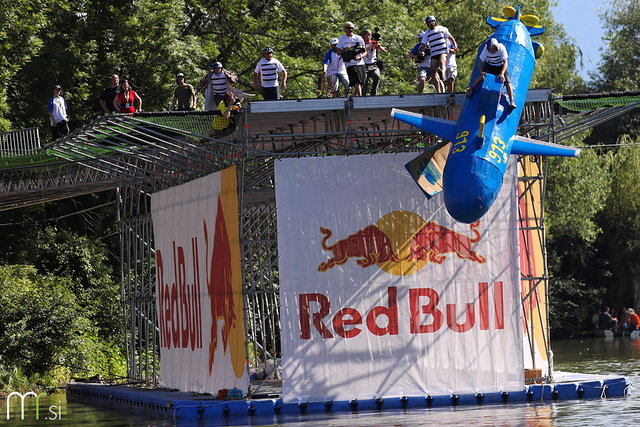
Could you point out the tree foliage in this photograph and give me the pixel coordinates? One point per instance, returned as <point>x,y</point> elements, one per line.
<point>79,44</point>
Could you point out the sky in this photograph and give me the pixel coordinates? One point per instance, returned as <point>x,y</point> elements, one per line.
<point>581,22</point>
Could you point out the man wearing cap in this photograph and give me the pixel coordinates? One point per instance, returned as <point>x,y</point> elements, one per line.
<point>268,68</point>
<point>333,68</point>
<point>436,37</point>
<point>216,83</point>
<point>356,69</point>
<point>184,95</point>
<point>423,58</point>
<point>108,95</point>
<point>58,114</point>
<point>494,59</point>
<point>371,62</point>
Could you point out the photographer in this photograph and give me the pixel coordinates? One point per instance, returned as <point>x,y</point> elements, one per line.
<point>423,59</point>
<point>351,48</point>
<point>372,47</point>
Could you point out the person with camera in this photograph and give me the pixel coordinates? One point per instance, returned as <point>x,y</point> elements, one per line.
<point>436,37</point>
<point>224,124</point>
<point>333,68</point>
<point>372,46</point>
<point>351,48</point>
<point>423,59</point>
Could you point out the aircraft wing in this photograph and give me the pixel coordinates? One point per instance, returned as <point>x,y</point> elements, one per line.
<point>443,128</point>
<point>427,168</point>
<point>522,145</point>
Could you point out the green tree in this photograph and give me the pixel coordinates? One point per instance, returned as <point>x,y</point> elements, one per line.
<point>620,221</point>
<point>577,190</point>
<point>46,336</point>
<point>619,68</point>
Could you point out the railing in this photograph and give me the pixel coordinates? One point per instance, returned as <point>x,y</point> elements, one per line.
<point>22,142</point>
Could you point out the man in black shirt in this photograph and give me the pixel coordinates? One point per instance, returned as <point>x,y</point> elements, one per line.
<point>106,99</point>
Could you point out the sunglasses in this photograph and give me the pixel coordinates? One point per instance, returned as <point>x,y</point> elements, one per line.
<point>348,28</point>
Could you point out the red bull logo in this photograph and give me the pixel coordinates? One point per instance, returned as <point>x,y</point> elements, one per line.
<point>401,243</point>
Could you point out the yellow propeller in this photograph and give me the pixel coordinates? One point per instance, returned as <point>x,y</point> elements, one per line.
<point>509,11</point>
<point>530,20</point>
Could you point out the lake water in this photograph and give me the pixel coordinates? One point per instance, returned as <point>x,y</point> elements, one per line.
<point>618,356</point>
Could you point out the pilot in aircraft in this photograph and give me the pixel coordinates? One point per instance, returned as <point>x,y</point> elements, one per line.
<point>494,60</point>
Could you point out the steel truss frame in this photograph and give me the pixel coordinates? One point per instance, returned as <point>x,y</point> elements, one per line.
<point>139,155</point>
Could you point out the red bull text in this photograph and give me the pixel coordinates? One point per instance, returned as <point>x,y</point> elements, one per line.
<point>425,314</point>
<point>179,304</point>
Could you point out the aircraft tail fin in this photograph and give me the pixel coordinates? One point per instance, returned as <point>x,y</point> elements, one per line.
<point>443,128</point>
<point>522,145</point>
<point>427,168</point>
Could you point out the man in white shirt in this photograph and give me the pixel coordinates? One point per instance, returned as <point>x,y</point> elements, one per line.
<point>494,59</point>
<point>333,68</point>
<point>268,68</point>
<point>451,69</point>
<point>356,69</point>
<point>58,114</point>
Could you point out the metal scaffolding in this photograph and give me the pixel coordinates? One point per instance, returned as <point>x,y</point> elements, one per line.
<point>144,153</point>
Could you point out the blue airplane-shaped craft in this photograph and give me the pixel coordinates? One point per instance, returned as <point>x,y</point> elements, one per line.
<point>469,169</point>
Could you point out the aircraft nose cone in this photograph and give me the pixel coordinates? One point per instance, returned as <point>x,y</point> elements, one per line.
<point>471,186</point>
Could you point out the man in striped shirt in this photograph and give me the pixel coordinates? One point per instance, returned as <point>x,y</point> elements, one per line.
<point>437,39</point>
<point>216,84</point>
<point>268,68</point>
<point>494,59</point>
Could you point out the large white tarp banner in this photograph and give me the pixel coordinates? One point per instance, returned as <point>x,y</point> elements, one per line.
<point>199,285</point>
<point>383,294</point>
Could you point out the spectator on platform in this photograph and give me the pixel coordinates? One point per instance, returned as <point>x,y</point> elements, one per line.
<point>494,60</point>
<point>268,68</point>
<point>624,318</point>
<point>607,321</point>
<point>224,124</point>
<point>106,99</point>
<point>436,37</point>
<point>451,69</point>
<point>184,95</point>
<point>371,62</point>
<point>126,100</point>
<point>216,83</point>
<point>334,70</point>
<point>634,320</point>
<point>351,48</point>
<point>423,59</point>
<point>57,108</point>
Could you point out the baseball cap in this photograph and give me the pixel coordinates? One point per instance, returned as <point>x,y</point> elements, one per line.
<point>57,87</point>
<point>179,75</point>
<point>334,41</point>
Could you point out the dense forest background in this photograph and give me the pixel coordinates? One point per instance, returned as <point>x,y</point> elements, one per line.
<point>59,269</point>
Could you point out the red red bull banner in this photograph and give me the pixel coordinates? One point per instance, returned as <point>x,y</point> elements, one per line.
<point>383,294</point>
<point>199,285</point>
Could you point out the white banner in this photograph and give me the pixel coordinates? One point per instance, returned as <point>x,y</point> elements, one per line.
<point>383,294</point>
<point>199,285</point>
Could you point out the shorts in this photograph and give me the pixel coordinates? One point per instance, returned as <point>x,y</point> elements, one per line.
<point>451,73</point>
<point>357,74</point>
<point>336,79</point>
<point>495,70</point>
<point>271,93</point>
<point>424,73</point>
